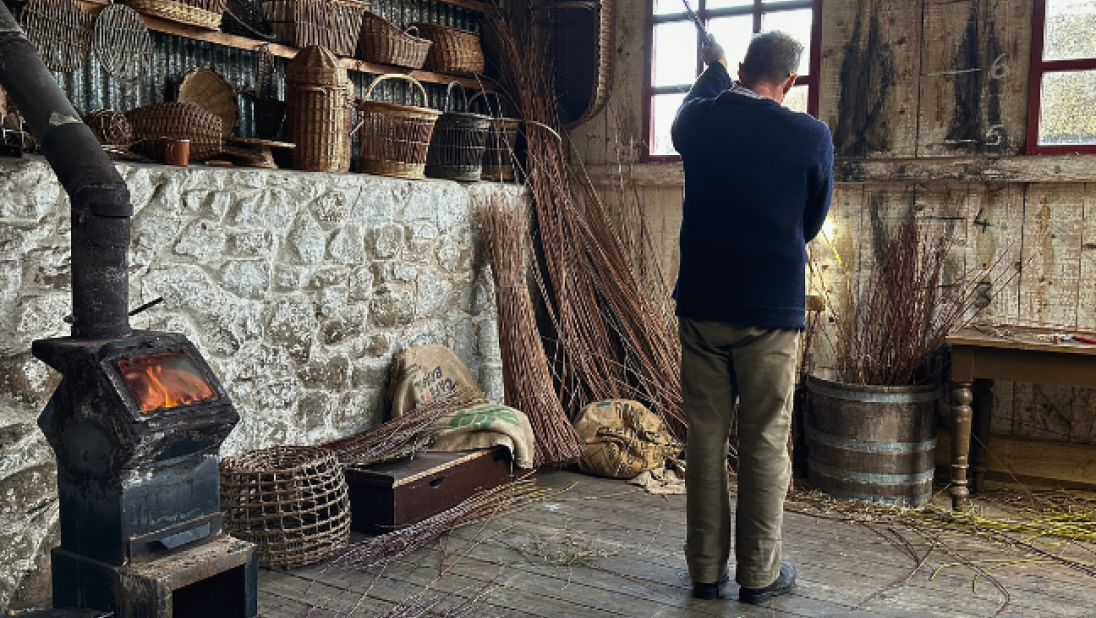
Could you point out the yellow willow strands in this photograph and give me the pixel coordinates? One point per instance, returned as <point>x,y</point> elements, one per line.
<point>524,365</point>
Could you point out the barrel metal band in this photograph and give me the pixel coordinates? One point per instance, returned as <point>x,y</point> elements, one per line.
<point>865,397</point>
<point>890,500</point>
<point>871,477</point>
<point>874,447</point>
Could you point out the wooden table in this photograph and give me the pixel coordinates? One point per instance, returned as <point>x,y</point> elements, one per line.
<point>1015,354</point>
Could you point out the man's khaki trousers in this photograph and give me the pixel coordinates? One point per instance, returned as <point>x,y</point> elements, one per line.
<point>719,362</point>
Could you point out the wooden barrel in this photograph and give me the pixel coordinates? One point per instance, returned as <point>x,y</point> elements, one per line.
<point>872,443</point>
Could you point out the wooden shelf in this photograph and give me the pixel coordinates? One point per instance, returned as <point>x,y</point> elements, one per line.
<point>229,40</point>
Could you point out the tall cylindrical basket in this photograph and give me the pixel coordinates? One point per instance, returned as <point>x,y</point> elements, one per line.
<point>501,151</point>
<point>395,137</point>
<point>457,146</point>
<point>318,111</point>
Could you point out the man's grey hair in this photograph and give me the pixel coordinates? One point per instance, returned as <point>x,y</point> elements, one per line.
<point>772,57</point>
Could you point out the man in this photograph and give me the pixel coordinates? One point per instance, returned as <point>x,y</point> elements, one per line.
<point>758,180</point>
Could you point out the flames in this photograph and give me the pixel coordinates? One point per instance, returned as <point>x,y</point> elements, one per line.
<point>164,381</point>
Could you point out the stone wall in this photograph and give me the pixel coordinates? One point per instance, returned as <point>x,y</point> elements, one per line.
<point>299,288</point>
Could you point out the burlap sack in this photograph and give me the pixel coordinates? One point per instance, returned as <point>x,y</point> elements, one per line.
<point>423,374</point>
<point>623,438</point>
<point>483,426</point>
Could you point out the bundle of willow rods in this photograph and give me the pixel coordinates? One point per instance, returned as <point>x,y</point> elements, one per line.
<point>403,436</point>
<point>431,606</point>
<point>382,550</point>
<point>612,343</point>
<point>525,372</point>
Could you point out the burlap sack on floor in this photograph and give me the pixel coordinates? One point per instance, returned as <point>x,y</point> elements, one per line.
<point>483,426</point>
<point>423,374</point>
<point>623,438</point>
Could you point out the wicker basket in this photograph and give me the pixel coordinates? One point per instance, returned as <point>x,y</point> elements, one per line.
<point>155,125</point>
<point>394,137</point>
<point>334,24</point>
<point>382,42</point>
<point>211,92</point>
<point>60,31</point>
<point>110,127</point>
<point>318,111</point>
<point>198,13</point>
<point>456,148</point>
<point>502,138</point>
<point>454,51</point>
<point>291,501</point>
<point>245,18</point>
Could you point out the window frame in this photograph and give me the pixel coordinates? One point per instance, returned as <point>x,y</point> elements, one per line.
<point>756,9</point>
<point>1039,68</point>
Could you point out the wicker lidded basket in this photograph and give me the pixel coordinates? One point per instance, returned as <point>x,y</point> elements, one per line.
<point>334,24</point>
<point>318,111</point>
<point>454,50</point>
<point>155,125</point>
<point>395,137</point>
<point>291,501</point>
<point>502,139</point>
<point>380,41</point>
<point>204,14</point>
<point>456,148</point>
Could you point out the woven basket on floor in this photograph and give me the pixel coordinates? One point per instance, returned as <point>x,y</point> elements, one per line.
<point>394,137</point>
<point>458,142</point>
<point>110,127</point>
<point>211,92</point>
<point>204,14</point>
<point>291,501</point>
<point>155,125</point>
<point>334,24</point>
<point>318,111</point>
<point>502,138</point>
<point>383,42</point>
<point>454,51</point>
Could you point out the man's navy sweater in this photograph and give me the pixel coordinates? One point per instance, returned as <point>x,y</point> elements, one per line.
<point>758,180</point>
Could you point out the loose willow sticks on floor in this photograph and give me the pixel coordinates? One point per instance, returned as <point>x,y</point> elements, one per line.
<point>403,436</point>
<point>382,550</point>
<point>525,373</point>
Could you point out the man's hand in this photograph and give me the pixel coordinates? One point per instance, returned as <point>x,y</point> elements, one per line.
<point>713,53</point>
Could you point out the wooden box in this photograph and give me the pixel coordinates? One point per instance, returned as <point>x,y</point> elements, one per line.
<point>398,493</point>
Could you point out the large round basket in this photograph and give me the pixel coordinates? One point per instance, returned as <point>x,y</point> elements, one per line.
<point>457,146</point>
<point>155,125</point>
<point>318,111</point>
<point>502,138</point>
<point>211,92</point>
<point>394,137</point>
<point>205,14</point>
<point>291,501</point>
<point>872,443</point>
<point>454,51</point>
<point>382,42</point>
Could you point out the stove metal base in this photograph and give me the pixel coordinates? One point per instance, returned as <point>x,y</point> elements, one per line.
<point>218,579</point>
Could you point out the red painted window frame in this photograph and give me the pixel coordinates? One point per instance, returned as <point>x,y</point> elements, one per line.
<point>759,6</point>
<point>1039,68</point>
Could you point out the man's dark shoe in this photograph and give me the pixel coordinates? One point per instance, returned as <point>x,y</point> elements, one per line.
<point>783,584</point>
<point>710,591</point>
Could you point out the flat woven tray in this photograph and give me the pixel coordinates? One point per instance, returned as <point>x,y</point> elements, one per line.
<point>60,31</point>
<point>121,43</point>
<point>211,92</point>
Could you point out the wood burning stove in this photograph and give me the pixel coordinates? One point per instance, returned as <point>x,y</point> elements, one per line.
<point>138,418</point>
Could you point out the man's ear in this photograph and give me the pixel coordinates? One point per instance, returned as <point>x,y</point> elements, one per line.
<point>788,83</point>
<point>741,77</point>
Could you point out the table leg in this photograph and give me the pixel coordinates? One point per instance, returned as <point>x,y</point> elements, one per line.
<point>961,397</point>
<point>982,409</point>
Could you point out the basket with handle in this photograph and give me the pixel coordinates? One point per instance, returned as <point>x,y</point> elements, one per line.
<point>395,137</point>
<point>457,146</point>
<point>380,41</point>
<point>318,111</point>
<point>454,50</point>
<point>334,24</point>
<point>502,138</point>
<point>205,14</point>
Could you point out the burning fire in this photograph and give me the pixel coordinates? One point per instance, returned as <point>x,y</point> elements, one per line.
<point>164,381</point>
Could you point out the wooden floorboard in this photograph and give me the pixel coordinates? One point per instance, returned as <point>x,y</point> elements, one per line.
<point>845,570</point>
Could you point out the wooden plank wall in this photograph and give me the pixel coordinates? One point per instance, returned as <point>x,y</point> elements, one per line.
<point>911,90</point>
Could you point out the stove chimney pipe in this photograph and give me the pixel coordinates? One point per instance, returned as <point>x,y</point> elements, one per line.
<point>100,199</point>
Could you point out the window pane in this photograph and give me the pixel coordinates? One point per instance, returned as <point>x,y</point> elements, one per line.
<point>1067,104</point>
<point>798,24</point>
<point>674,54</point>
<point>1070,30</point>
<point>663,109</point>
<point>734,34</point>
<point>669,7</point>
<point>796,99</point>
<point>722,4</point>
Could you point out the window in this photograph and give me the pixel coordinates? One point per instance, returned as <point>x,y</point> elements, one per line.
<point>673,54</point>
<point>1063,78</point>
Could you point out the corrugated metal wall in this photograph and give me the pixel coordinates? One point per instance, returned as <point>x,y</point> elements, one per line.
<point>90,88</point>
